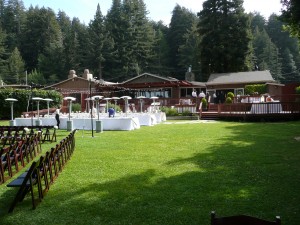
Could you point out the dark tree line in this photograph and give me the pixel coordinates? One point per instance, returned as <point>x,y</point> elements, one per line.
<point>125,43</point>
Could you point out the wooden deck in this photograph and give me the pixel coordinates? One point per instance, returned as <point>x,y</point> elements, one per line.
<point>253,111</point>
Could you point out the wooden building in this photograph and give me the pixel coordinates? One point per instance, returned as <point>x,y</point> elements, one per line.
<point>222,83</point>
<point>150,85</point>
<point>78,87</point>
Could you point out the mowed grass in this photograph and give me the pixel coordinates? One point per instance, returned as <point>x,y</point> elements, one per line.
<point>172,173</point>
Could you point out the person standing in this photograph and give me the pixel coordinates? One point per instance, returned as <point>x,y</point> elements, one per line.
<point>194,94</point>
<point>57,112</point>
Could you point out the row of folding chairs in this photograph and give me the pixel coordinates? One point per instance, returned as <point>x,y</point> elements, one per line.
<point>10,134</point>
<point>42,173</point>
<point>15,156</point>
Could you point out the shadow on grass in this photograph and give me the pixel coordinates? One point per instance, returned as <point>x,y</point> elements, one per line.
<point>250,173</point>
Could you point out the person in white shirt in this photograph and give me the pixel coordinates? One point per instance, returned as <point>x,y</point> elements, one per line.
<point>194,94</point>
<point>202,95</point>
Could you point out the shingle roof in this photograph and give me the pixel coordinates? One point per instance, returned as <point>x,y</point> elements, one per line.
<point>240,77</point>
<point>152,75</point>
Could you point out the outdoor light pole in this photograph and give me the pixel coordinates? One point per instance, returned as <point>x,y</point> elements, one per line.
<point>99,126</point>
<point>115,99</point>
<point>38,99</point>
<point>11,101</point>
<point>69,122</point>
<point>126,98</point>
<point>48,101</point>
<point>91,104</point>
<point>141,102</point>
<point>154,103</point>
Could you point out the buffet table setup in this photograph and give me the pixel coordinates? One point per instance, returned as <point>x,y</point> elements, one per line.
<point>266,107</point>
<point>83,121</point>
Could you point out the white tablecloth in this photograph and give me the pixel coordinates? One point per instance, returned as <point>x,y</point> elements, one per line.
<point>265,108</point>
<point>145,119</point>
<point>119,123</point>
<point>183,108</point>
<point>160,117</point>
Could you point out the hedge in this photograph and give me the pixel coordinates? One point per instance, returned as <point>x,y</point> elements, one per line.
<point>23,104</point>
<point>255,88</point>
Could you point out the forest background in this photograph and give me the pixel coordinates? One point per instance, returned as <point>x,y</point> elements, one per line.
<point>37,45</point>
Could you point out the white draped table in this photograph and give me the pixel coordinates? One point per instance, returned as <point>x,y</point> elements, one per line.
<point>129,121</point>
<point>120,123</point>
<point>266,108</point>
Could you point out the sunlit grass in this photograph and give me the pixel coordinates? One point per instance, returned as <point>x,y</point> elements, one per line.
<point>172,174</point>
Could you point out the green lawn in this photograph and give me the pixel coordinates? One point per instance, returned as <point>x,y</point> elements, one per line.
<point>172,173</point>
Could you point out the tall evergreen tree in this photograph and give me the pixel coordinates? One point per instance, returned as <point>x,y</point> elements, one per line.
<point>291,16</point>
<point>13,21</point>
<point>42,30</point>
<point>100,44</point>
<point>138,37</point>
<point>290,73</point>
<point>16,67</point>
<point>113,24</point>
<point>161,60</point>
<point>181,21</point>
<point>79,42</point>
<point>189,51</point>
<point>283,40</point>
<point>133,36</point>
<point>257,22</point>
<point>3,56</point>
<point>225,45</point>
<point>67,40</point>
<point>267,54</point>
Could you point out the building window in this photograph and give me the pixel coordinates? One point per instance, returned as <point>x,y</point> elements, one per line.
<point>161,93</point>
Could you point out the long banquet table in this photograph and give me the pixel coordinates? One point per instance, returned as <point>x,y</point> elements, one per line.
<point>266,108</point>
<point>128,121</point>
<point>121,123</point>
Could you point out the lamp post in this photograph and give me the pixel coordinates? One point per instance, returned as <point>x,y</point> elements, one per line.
<point>107,99</point>
<point>38,122</point>
<point>115,99</point>
<point>70,122</point>
<point>99,127</point>
<point>154,103</point>
<point>126,98</point>
<point>11,101</point>
<point>48,101</point>
<point>91,103</point>
<point>141,98</point>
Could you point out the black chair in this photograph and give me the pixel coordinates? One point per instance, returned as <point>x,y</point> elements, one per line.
<point>241,220</point>
<point>26,183</point>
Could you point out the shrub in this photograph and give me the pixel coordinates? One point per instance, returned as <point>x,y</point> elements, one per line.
<point>228,100</point>
<point>204,103</point>
<point>186,113</point>
<point>24,102</point>
<point>298,90</point>
<point>169,111</point>
<point>117,108</point>
<point>230,95</point>
<point>76,107</point>
<point>255,88</point>
<point>172,112</point>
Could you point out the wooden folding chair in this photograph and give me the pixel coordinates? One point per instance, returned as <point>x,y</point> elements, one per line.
<point>241,220</point>
<point>43,176</point>
<point>26,183</point>
<point>49,166</point>
<point>14,158</point>
<point>20,151</point>
<point>48,136</point>
<point>5,164</point>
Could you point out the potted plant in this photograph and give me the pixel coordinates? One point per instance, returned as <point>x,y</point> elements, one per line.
<point>204,104</point>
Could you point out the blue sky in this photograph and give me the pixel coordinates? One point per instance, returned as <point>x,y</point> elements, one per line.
<point>158,9</point>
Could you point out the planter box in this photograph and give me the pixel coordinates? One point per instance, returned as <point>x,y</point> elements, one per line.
<point>182,117</point>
